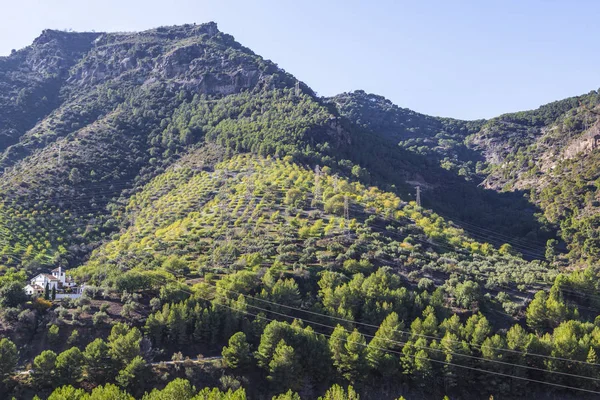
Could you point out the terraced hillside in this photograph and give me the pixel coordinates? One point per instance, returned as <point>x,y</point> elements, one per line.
<point>253,212</point>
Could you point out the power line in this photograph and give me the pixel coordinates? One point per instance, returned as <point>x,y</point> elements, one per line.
<point>418,198</point>
<point>569,360</point>
<point>129,185</point>
<point>395,330</point>
<point>510,239</point>
<point>398,331</point>
<point>318,174</point>
<point>388,233</point>
<point>400,353</point>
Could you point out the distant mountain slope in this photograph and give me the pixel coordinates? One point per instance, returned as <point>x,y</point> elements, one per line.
<point>119,108</point>
<point>553,152</point>
<point>546,158</point>
<point>437,158</point>
<point>31,80</point>
<point>422,134</point>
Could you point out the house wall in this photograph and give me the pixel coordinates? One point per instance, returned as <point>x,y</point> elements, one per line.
<point>41,281</point>
<point>31,292</point>
<point>67,296</point>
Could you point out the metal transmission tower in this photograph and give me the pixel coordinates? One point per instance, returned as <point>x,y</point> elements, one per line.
<point>249,191</point>
<point>317,191</point>
<point>419,196</point>
<point>346,214</point>
<point>297,88</point>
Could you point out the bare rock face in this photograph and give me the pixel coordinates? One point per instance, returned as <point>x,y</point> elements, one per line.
<point>493,149</point>
<point>179,61</point>
<point>62,69</point>
<point>338,133</point>
<point>182,56</point>
<point>54,51</point>
<point>584,144</point>
<point>31,80</point>
<point>524,150</point>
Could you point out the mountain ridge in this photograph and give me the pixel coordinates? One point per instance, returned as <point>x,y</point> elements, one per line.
<point>124,68</point>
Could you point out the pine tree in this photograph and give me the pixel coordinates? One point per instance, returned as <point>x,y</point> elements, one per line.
<point>9,356</point>
<point>591,357</point>
<point>422,367</point>
<point>386,338</point>
<point>336,392</point>
<point>65,392</point>
<point>176,389</point>
<point>337,340</point>
<point>69,365</point>
<point>95,356</point>
<point>237,353</point>
<point>124,343</point>
<point>430,322</point>
<point>176,324</point>
<point>353,362</point>
<point>590,368</point>
<point>284,369</point>
<point>44,368</point>
<point>132,375</point>
<point>537,313</point>
<point>451,345</point>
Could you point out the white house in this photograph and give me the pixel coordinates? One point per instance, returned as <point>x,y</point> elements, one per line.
<point>58,280</point>
<point>34,290</point>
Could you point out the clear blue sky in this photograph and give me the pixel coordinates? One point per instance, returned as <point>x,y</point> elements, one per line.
<point>463,59</point>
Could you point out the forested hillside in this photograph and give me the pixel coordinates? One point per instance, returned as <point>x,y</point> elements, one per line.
<point>552,153</point>
<point>449,172</point>
<point>239,237</point>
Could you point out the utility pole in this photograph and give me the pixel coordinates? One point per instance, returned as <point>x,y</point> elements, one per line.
<point>419,196</point>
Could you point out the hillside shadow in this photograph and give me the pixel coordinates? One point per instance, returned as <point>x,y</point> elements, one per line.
<point>487,215</point>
